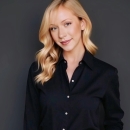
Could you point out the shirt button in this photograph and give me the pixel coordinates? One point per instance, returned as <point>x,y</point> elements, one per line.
<point>64,61</point>
<point>63,129</point>
<point>72,80</point>
<point>66,113</point>
<point>68,96</point>
<point>80,63</point>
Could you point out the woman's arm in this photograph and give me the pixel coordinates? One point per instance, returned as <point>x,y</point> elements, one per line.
<point>32,105</point>
<point>111,102</point>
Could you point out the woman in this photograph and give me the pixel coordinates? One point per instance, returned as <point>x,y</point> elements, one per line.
<point>68,88</point>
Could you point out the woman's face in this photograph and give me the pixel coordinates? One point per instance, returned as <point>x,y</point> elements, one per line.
<point>64,26</point>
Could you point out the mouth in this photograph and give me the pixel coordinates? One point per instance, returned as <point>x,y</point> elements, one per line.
<point>65,42</point>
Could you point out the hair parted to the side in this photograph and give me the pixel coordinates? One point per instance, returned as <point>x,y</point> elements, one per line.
<point>48,56</point>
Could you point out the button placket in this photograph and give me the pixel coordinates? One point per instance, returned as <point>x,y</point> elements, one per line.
<point>66,113</point>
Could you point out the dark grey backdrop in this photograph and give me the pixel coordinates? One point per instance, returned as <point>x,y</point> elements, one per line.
<point>19,25</point>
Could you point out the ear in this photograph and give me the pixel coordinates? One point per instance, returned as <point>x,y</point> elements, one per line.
<point>83,24</point>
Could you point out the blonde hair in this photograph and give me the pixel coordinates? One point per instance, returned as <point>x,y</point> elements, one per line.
<point>48,56</point>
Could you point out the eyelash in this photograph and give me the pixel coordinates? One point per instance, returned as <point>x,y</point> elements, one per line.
<point>65,23</point>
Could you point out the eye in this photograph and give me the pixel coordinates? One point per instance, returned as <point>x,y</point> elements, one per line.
<point>68,23</point>
<point>52,29</point>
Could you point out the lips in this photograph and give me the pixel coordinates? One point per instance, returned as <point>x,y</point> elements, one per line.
<point>65,42</point>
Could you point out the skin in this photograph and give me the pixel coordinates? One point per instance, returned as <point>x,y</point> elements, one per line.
<point>64,25</point>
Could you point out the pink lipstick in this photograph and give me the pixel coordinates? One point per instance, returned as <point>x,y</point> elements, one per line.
<point>65,42</point>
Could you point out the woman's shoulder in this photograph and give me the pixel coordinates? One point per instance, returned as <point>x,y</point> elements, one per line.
<point>103,65</point>
<point>33,69</point>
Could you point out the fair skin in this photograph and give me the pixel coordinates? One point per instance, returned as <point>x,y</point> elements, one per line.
<point>64,25</point>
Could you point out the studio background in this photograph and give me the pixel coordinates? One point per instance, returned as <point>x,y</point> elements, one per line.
<point>19,26</point>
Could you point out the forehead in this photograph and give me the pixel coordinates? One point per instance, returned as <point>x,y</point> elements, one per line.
<point>60,14</point>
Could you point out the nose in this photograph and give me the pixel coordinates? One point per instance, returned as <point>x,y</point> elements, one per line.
<point>61,33</point>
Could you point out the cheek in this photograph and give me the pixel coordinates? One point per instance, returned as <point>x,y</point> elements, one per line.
<point>54,36</point>
<point>74,31</point>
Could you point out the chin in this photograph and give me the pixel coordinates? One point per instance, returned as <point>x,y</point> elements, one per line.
<point>68,48</point>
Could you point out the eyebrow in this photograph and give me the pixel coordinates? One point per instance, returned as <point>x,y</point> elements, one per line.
<point>61,21</point>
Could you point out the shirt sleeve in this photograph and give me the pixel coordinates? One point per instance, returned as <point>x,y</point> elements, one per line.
<point>32,105</point>
<point>111,101</point>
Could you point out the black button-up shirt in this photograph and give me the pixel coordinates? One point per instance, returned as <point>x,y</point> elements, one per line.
<point>90,101</point>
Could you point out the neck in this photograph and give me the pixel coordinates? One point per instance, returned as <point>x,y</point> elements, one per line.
<point>75,55</point>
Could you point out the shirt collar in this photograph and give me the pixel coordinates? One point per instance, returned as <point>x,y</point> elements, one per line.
<point>87,59</point>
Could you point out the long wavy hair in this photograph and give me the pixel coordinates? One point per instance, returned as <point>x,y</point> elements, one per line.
<point>48,56</point>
